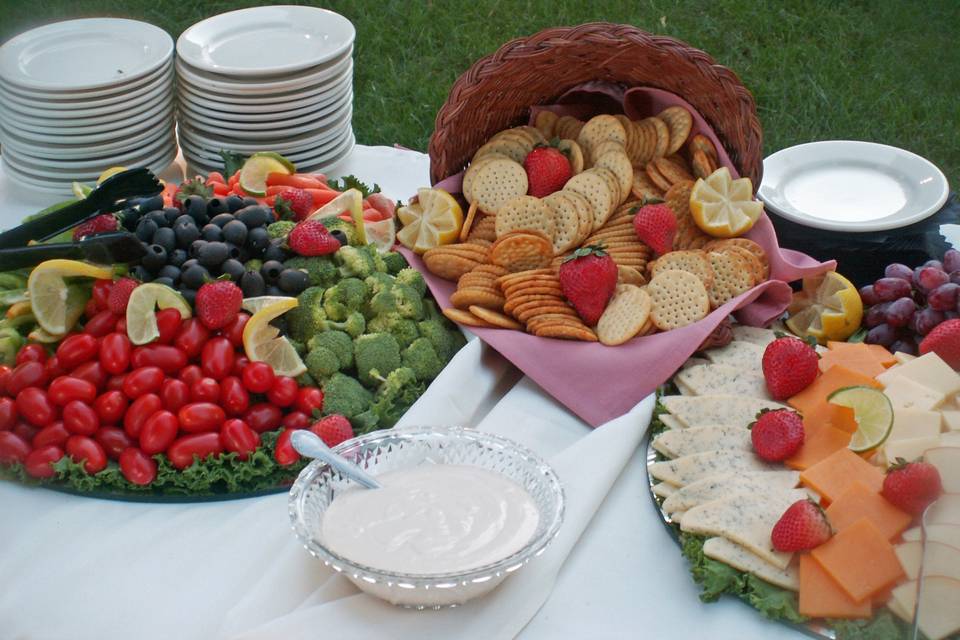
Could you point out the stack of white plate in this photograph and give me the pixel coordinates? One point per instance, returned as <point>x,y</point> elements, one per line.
<point>81,96</point>
<point>267,79</point>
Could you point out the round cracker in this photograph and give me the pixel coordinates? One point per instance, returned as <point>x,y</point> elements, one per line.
<point>447,265</point>
<point>732,277</point>
<point>566,332</point>
<point>678,298</point>
<point>695,262</point>
<point>600,128</point>
<point>566,222</point>
<point>678,121</point>
<point>630,275</point>
<point>574,154</point>
<point>496,183</point>
<point>584,212</point>
<point>614,184</point>
<point>521,251</point>
<point>525,213</point>
<point>643,187</point>
<point>619,165</point>
<point>495,318</point>
<point>625,315</point>
<point>672,170</point>
<point>471,173</point>
<point>465,317</point>
<point>703,143</point>
<point>663,137</point>
<point>596,190</point>
<point>545,121</point>
<point>513,149</point>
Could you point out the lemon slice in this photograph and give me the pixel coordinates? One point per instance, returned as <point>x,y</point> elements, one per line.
<point>112,171</point>
<point>435,219</point>
<point>80,190</point>
<point>253,174</point>
<point>350,201</point>
<point>259,302</point>
<point>872,411</point>
<point>40,335</point>
<point>724,207</point>
<point>263,342</point>
<point>57,306</point>
<point>382,234</point>
<point>141,316</point>
<point>827,308</point>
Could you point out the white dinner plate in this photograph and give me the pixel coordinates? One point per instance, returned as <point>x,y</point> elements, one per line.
<point>90,172</point>
<point>205,81</point>
<point>335,154</point>
<point>244,145</point>
<point>261,113</point>
<point>266,40</point>
<point>295,155</point>
<point>243,122</point>
<point>272,130</point>
<point>163,119</point>
<point>56,151</point>
<point>111,122</point>
<point>88,124</point>
<point>272,100</point>
<point>155,163</point>
<point>847,185</point>
<point>49,110</point>
<point>104,97</point>
<point>89,163</point>
<point>83,55</point>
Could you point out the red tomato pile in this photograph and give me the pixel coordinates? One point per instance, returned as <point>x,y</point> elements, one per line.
<point>190,394</point>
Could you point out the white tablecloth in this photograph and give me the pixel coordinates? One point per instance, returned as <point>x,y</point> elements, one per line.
<point>77,568</point>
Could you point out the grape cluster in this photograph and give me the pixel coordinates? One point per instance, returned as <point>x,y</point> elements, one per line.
<point>906,304</point>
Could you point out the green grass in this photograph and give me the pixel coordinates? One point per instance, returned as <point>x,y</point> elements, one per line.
<point>880,70</point>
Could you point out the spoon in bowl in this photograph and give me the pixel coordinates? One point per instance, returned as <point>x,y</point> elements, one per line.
<point>310,445</point>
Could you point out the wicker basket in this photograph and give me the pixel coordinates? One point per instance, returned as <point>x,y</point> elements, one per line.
<point>498,90</point>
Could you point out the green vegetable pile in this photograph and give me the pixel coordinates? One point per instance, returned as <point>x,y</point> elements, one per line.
<point>16,319</point>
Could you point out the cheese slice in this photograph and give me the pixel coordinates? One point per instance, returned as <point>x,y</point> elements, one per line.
<point>948,534</point>
<point>745,518</point>
<point>670,422</point>
<point>742,559</point>
<point>937,559</point>
<point>698,411</point>
<point>937,610</point>
<point>929,370</point>
<point>909,449</point>
<point>683,388</point>
<point>719,486</point>
<point>903,357</point>
<point>914,423</point>
<point>947,462</point>
<point>950,439</point>
<point>905,393</point>
<point>663,489</point>
<point>692,362</point>
<point>946,510</point>
<point>683,471</point>
<point>742,355</point>
<point>753,335</point>
<point>950,419</point>
<point>677,443</point>
<point>713,379</point>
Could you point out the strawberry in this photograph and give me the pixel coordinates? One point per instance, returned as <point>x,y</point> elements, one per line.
<point>588,278</point>
<point>98,224</point>
<point>333,429</point>
<point>802,526</point>
<point>912,486</point>
<point>790,365</point>
<point>311,238</point>
<point>218,303</point>
<point>547,171</point>
<point>120,295</point>
<point>944,341</point>
<point>777,435</point>
<point>656,225</point>
<point>293,204</point>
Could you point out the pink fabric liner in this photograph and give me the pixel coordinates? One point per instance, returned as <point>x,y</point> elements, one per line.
<point>599,383</point>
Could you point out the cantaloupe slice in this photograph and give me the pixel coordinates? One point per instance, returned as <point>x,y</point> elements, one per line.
<point>860,559</point>
<point>858,357</point>
<point>822,597</point>
<point>937,559</point>
<point>820,441</point>
<point>837,472</point>
<point>860,501</point>
<point>876,351</point>
<point>812,401</point>
<point>832,415</point>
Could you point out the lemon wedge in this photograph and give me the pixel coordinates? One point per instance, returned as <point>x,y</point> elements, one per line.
<point>141,316</point>
<point>256,303</point>
<point>872,411</point>
<point>80,190</point>
<point>263,343</point>
<point>56,305</point>
<point>253,174</point>
<point>434,219</point>
<point>350,201</point>
<point>827,308</point>
<point>382,234</point>
<point>724,207</point>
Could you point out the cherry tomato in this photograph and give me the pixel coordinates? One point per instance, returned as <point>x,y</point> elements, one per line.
<point>101,292</point>
<point>283,393</point>
<point>28,374</point>
<point>206,390</point>
<point>89,450</point>
<point>25,430</point>
<point>169,359</point>
<point>35,407</point>
<point>201,445</point>
<point>233,396</point>
<point>141,409</point>
<point>54,433</point>
<point>159,432</point>
<point>8,414</point>
<point>238,365</point>
<point>296,420</point>
<point>110,406</point>
<point>32,353</point>
<point>234,331</point>
<point>77,349</point>
<point>309,399</point>
<point>80,418</point>
<point>13,448</point>
<point>263,417</point>
<point>143,380</point>
<point>216,360</point>
<point>191,374</point>
<point>39,463</point>
<point>53,369</point>
<point>237,436</point>
<point>115,383</point>
<point>5,372</point>
<point>258,377</point>
<point>174,394</point>
<point>121,326</point>
<point>113,441</point>
<point>92,372</point>
<point>115,353</point>
<point>90,309</point>
<point>284,453</point>
<point>168,324</point>
<point>101,324</point>
<point>198,417</point>
<point>66,388</point>
<point>191,337</point>
<point>137,467</point>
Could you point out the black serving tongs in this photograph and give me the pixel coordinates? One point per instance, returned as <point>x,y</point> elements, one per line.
<point>104,248</point>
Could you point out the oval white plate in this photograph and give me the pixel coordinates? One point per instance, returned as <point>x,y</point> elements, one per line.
<point>104,97</point>
<point>260,113</point>
<point>297,155</point>
<point>110,122</point>
<point>203,80</point>
<point>270,101</point>
<point>264,121</point>
<point>80,55</point>
<point>162,119</point>
<point>119,144</point>
<point>266,40</point>
<point>51,111</point>
<point>91,172</point>
<point>89,163</point>
<point>155,162</point>
<point>272,130</point>
<point>89,124</point>
<point>847,185</point>
<point>326,159</point>
<point>241,145</point>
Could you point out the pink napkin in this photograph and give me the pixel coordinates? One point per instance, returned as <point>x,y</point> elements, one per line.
<point>599,383</point>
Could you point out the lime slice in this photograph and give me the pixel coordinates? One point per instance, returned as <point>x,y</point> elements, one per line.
<point>39,335</point>
<point>350,201</point>
<point>112,171</point>
<point>382,234</point>
<point>81,190</point>
<point>57,306</point>
<point>872,411</point>
<point>141,316</point>
<point>253,174</point>
<point>256,303</point>
<point>263,342</point>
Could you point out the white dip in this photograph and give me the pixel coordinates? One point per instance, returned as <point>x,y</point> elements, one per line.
<point>434,518</point>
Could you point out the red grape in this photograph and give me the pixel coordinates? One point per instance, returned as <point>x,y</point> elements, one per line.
<point>869,296</point>
<point>876,315</point>
<point>907,345</point>
<point>955,277</point>
<point>926,319</point>
<point>936,264</point>
<point>888,289</point>
<point>929,278</point>
<point>944,297</point>
<point>882,334</point>
<point>951,260</point>
<point>897,270</point>
<point>900,311</point>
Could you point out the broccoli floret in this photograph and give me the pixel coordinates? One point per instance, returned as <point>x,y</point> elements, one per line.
<point>359,262</point>
<point>321,363</point>
<point>444,336</point>
<point>403,329</point>
<point>348,295</point>
<point>413,279</point>
<point>409,302</point>
<point>379,281</point>
<point>307,318</point>
<point>395,262</point>
<point>10,343</point>
<point>423,359</point>
<point>334,223</point>
<point>346,396</point>
<point>280,229</point>
<point>321,271</point>
<point>305,380</point>
<point>298,346</point>
<point>397,393</point>
<point>355,324</point>
<point>376,354</point>
<point>253,264</point>
<point>338,342</point>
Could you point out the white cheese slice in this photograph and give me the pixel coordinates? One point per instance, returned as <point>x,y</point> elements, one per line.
<point>744,560</point>
<point>929,370</point>
<point>938,615</point>
<point>948,534</point>
<point>950,439</point>
<point>905,393</point>
<point>692,362</point>
<point>683,471</point>
<point>745,518</point>
<point>719,486</point>
<point>950,419</point>
<point>909,449</point>
<point>937,559</point>
<point>742,355</point>
<point>683,442</point>
<point>663,489</point>
<point>753,335</point>
<point>947,462</point>
<point>914,423</point>
<point>715,379</point>
<point>903,357</point>
<point>683,388</point>
<point>670,422</point>
<point>699,411</point>
<point>946,510</point>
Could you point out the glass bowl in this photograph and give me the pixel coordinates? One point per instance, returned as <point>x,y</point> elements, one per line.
<point>384,451</point>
